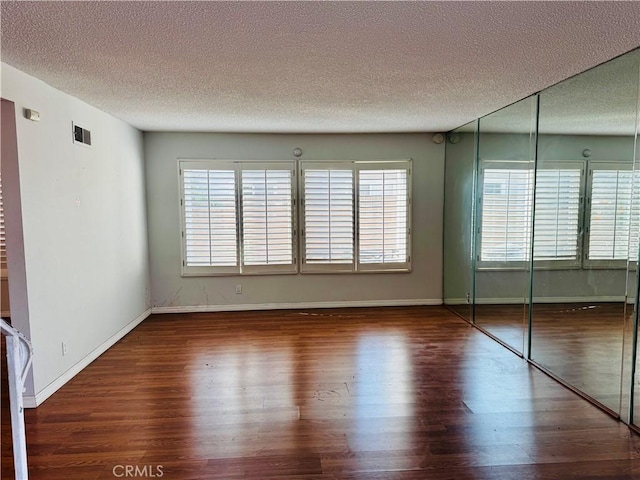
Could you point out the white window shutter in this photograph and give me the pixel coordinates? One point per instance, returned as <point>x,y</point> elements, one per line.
<point>507,208</point>
<point>382,216</point>
<point>613,221</point>
<point>210,218</point>
<point>267,211</point>
<point>557,214</point>
<point>328,216</point>
<point>507,196</point>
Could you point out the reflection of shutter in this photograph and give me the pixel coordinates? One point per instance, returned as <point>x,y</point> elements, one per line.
<point>328,216</point>
<point>557,210</point>
<point>210,217</point>
<point>382,201</point>
<point>506,215</point>
<point>3,245</point>
<point>611,216</point>
<point>267,234</point>
<point>635,219</point>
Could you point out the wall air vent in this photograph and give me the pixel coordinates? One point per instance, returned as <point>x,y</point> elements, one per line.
<point>81,135</point>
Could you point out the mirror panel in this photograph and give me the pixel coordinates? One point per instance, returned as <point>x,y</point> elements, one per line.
<point>505,164</point>
<point>582,218</point>
<point>460,161</point>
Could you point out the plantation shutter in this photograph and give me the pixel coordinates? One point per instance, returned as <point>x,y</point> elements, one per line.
<point>328,216</point>
<point>614,214</point>
<point>557,214</point>
<point>267,216</point>
<point>383,220</point>
<point>506,202</point>
<point>210,219</point>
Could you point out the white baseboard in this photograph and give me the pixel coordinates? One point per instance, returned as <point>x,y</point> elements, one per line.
<point>32,401</point>
<point>521,300</point>
<point>302,305</point>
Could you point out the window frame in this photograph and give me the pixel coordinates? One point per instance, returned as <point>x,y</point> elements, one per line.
<point>237,166</point>
<point>547,264</point>
<point>602,264</point>
<point>355,166</point>
<point>499,165</point>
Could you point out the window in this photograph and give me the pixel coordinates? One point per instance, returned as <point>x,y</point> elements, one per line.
<point>614,216</point>
<point>506,204</point>
<point>238,217</point>
<point>355,216</point>
<point>557,215</point>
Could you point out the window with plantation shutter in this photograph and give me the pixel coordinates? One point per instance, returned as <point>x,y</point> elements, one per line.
<point>267,218</point>
<point>328,216</point>
<point>614,216</point>
<point>237,217</point>
<point>557,214</point>
<point>506,204</point>
<point>356,216</point>
<point>210,219</point>
<point>383,204</point>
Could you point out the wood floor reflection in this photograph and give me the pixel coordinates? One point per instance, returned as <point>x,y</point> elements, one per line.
<point>384,393</point>
<point>581,343</point>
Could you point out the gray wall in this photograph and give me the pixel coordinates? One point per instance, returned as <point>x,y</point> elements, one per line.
<point>507,286</point>
<point>458,219</point>
<point>172,292</point>
<point>84,225</point>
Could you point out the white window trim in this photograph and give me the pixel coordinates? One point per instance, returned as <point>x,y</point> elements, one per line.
<point>240,269</point>
<point>355,166</point>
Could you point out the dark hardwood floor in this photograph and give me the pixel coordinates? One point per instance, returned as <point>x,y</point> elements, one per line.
<point>380,393</point>
<point>580,343</point>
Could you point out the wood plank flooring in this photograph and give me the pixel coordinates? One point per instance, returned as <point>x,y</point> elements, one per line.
<point>579,342</point>
<point>384,393</point>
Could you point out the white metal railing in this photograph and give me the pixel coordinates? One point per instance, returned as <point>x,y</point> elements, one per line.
<point>19,358</point>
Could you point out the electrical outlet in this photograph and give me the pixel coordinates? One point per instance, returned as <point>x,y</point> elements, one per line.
<point>468,298</point>
<point>238,289</point>
<point>64,349</point>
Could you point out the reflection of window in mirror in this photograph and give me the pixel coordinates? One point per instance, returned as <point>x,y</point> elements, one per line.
<point>614,215</point>
<point>610,218</point>
<point>506,208</point>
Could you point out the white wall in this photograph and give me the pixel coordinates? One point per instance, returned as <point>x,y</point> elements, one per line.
<point>84,225</point>
<point>171,292</point>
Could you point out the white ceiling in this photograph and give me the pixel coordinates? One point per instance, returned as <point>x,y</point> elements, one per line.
<point>310,66</point>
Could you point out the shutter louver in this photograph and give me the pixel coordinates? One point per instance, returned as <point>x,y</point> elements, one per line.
<point>614,222</point>
<point>267,234</point>
<point>382,206</point>
<point>210,217</point>
<point>328,204</point>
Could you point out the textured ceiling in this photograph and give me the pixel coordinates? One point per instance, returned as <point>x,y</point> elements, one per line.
<point>310,66</point>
